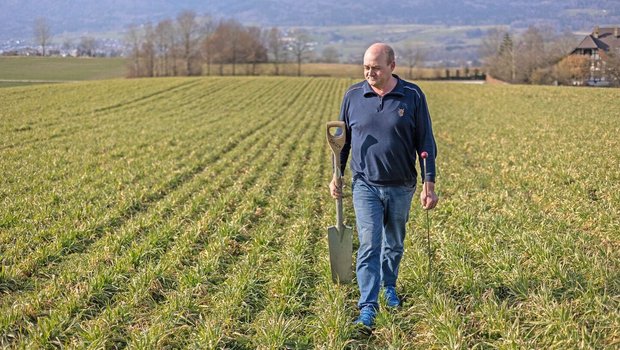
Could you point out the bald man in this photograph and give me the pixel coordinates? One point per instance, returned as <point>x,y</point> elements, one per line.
<point>388,127</point>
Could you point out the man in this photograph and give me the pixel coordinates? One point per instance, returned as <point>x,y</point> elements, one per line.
<point>388,124</point>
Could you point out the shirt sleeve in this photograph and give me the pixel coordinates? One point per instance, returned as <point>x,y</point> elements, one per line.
<point>344,116</point>
<point>425,141</point>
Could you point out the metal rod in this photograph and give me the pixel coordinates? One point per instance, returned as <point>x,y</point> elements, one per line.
<point>428,242</point>
<point>428,225</point>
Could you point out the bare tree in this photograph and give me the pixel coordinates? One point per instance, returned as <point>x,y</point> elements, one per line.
<point>165,47</point>
<point>331,55</point>
<point>148,50</point>
<point>489,50</point>
<point>254,48</point>
<point>133,42</point>
<point>612,66</point>
<point>539,49</point>
<point>67,45</point>
<point>232,43</point>
<point>173,42</point>
<point>42,33</point>
<point>87,46</point>
<point>189,32</point>
<point>211,52</point>
<point>276,48</point>
<point>224,44</point>
<point>300,46</point>
<point>217,45</point>
<point>559,45</point>
<point>208,28</point>
<point>407,52</point>
<point>491,42</point>
<point>413,56</point>
<point>531,54</point>
<point>233,31</point>
<point>169,48</point>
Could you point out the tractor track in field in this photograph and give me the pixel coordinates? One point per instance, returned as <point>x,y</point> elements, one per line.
<point>71,131</point>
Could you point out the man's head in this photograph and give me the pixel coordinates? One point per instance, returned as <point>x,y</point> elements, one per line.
<point>379,64</point>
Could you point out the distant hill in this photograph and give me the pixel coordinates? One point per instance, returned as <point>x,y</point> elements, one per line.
<point>16,16</point>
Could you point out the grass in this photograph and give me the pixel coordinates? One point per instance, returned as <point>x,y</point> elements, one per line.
<point>192,213</point>
<point>13,83</point>
<point>59,69</point>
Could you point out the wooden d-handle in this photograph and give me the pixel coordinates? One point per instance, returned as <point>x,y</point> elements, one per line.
<point>336,142</point>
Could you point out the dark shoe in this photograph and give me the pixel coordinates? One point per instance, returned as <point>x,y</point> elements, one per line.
<point>391,298</point>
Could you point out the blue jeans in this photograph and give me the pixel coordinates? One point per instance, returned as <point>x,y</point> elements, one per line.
<point>381,214</point>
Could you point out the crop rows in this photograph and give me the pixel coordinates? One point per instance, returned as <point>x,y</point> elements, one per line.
<point>192,213</point>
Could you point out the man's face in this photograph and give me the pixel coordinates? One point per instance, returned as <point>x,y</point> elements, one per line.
<point>377,70</point>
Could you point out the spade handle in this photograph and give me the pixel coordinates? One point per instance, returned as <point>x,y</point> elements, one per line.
<point>336,142</point>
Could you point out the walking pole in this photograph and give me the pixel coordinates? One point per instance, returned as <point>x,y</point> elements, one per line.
<point>424,155</point>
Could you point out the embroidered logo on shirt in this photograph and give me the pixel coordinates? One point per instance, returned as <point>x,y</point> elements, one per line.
<point>401,112</point>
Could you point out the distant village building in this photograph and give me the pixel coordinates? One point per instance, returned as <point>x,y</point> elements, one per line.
<point>28,51</point>
<point>597,46</point>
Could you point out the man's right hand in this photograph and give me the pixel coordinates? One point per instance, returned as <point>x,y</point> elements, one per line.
<point>335,187</point>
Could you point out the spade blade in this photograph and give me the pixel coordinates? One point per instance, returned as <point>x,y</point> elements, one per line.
<point>340,253</point>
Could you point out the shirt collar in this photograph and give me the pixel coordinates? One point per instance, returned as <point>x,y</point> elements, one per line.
<point>397,90</point>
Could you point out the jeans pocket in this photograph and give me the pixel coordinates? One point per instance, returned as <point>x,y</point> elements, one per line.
<point>354,180</point>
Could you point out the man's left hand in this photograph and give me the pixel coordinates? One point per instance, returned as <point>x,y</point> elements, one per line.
<point>428,198</point>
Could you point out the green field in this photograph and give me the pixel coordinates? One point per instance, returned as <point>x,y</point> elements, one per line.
<point>192,213</point>
<point>35,70</point>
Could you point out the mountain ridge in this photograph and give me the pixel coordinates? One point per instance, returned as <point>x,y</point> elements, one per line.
<point>115,15</point>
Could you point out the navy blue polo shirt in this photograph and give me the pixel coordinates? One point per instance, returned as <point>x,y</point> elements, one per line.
<point>385,135</point>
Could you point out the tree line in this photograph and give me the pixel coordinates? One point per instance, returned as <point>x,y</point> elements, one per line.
<point>540,55</point>
<point>193,45</point>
